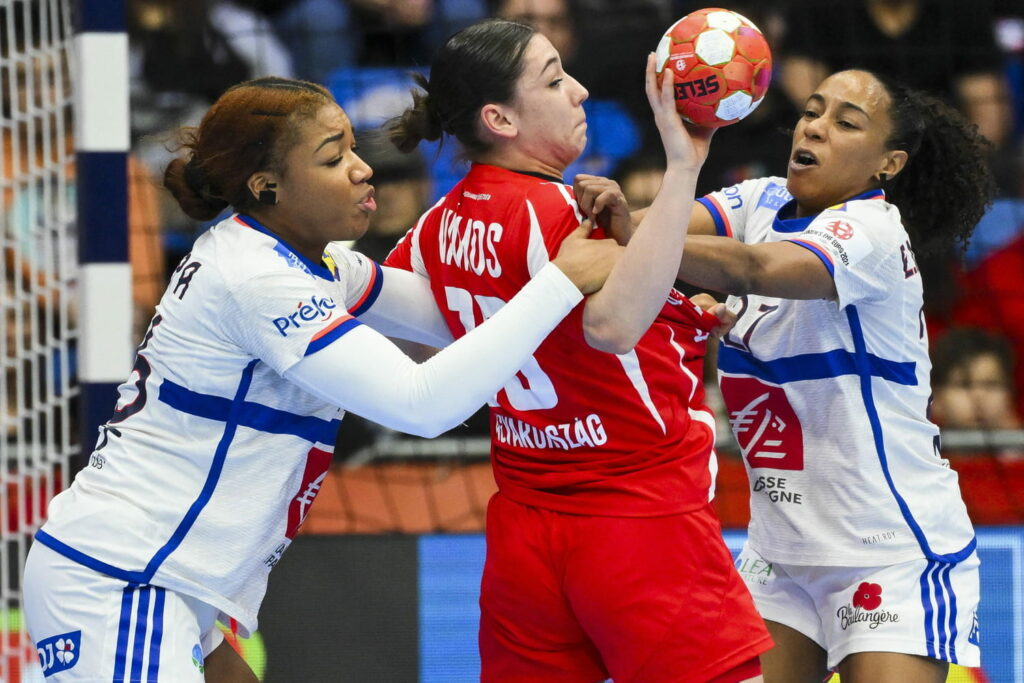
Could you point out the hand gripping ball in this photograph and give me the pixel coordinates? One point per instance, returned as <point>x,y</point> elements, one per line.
<point>721,65</point>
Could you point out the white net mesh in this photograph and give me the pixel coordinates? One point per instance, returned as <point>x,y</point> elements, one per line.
<point>39,271</point>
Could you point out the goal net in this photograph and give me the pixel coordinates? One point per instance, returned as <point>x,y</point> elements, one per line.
<point>39,270</point>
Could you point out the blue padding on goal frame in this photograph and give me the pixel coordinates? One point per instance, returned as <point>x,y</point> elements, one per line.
<point>107,16</point>
<point>102,196</point>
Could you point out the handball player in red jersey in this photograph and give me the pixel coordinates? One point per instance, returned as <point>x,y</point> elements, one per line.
<point>604,557</point>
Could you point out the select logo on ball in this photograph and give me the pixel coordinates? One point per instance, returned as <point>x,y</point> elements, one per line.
<point>699,87</point>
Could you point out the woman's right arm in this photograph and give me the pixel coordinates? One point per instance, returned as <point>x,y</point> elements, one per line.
<point>616,317</point>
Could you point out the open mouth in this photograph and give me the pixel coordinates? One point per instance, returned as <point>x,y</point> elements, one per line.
<point>804,159</point>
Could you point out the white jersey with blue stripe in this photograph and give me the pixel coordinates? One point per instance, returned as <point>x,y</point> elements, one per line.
<point>828,399</point>
<point>210,462</point>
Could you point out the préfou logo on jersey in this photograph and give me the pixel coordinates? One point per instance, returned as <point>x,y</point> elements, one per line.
<point>318,308</point>
<point>59,653</point>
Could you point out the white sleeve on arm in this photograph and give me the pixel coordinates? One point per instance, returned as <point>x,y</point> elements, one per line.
<point>366,374</point>
<point>406,309</point>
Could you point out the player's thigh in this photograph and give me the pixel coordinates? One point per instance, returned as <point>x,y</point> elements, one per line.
<point>661,599</point>
<point>891,667</point>
<point>921,607</point>
<point>91,627</point>
<point>792,618</point>
<point>527,632</point>
<point>225,665</point>
<point>794,659</point>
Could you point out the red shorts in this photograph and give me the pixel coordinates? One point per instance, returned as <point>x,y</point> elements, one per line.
<point>580,598</point>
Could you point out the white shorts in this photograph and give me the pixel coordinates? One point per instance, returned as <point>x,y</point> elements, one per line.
<point>90,627</point>
<point>920,607</point>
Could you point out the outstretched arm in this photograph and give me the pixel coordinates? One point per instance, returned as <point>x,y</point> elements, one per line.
<point>365,373</point>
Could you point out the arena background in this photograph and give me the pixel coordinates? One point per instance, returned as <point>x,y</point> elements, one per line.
<point>381,585</point>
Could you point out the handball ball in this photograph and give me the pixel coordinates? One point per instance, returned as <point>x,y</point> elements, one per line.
<point>721,65</point>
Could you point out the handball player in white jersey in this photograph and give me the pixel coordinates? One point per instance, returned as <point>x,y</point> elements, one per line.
<point>861,556</point>
<point>225,427</point>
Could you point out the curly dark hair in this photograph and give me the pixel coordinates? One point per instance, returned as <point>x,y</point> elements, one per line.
<point>947,184</point>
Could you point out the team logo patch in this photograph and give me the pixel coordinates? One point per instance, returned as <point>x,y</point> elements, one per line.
<point>840,229</point>
<point>291,258</point>
<point>317,463</point>
<point>765,425</point>
<point>197,658</point>
<point>864,608</point>
<point>773,197</point>
<point>844,243</point>
<point>59,653</point>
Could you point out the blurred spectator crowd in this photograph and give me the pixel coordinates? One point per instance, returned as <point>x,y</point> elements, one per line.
<point>184,53</point>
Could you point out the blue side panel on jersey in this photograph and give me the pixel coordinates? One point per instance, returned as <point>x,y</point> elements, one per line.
<point>819,253</point>
<point>234,413</point>
<point>249,414</point>
<point>212,478</point>
<point>378,282</point>
<point>810,366</point>
<point>713,210</point>
<point>331,336</point>
<point>866,369</point>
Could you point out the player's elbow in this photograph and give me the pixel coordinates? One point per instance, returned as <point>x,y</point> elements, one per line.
<point>425,426</point>
<point>610,338</point>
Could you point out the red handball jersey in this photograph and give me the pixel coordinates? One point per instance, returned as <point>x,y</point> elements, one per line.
<point>579,430</point>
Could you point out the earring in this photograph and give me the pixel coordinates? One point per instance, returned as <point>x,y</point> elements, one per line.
<point>268,195</point>
<point>883,177</point>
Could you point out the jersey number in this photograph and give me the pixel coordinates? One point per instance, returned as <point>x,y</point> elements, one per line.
<point>744,344</point>
<point>142,370</point>
<point>538,392</point>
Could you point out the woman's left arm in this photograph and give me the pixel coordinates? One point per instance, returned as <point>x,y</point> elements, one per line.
<point>778,269</point>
